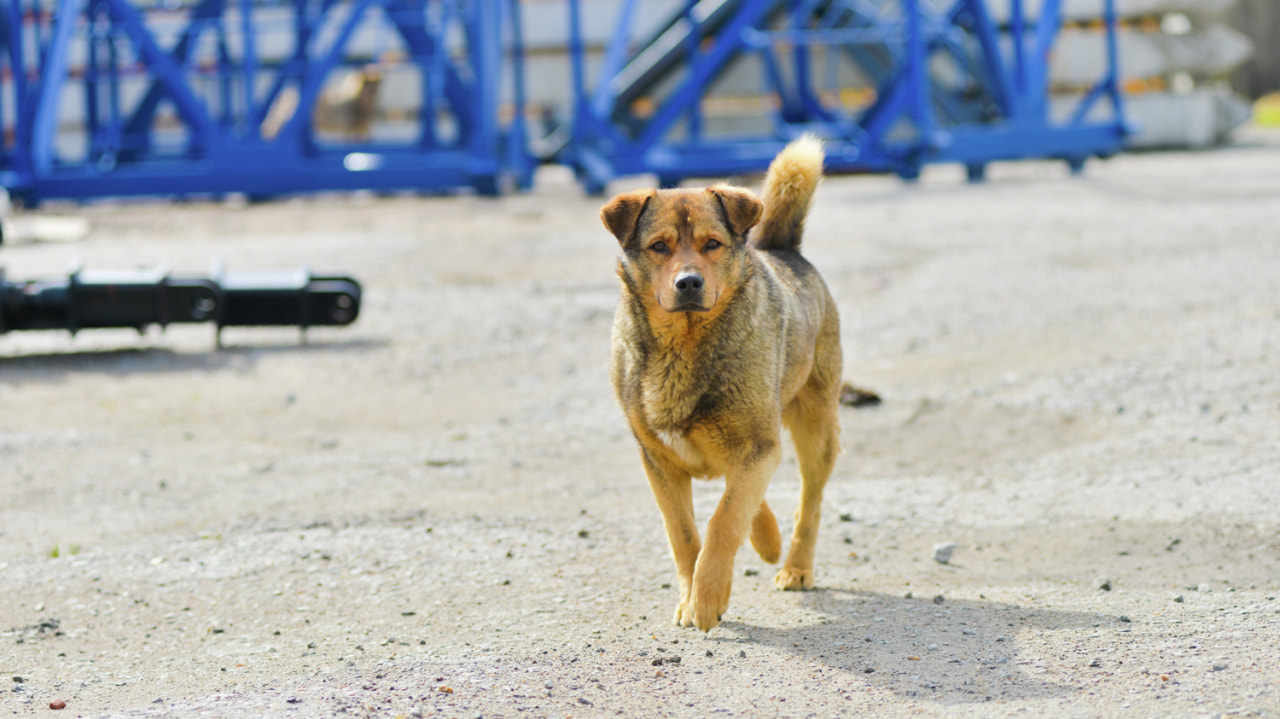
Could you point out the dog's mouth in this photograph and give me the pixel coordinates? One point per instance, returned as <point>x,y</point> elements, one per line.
<point>690,307</point>
<point>700,302</point>
<point>689,303</point>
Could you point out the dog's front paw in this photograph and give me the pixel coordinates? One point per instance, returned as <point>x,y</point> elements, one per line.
<point>791,578</point>
<point>710,600</point>
<point>684,614</point>
<point>707,616</point>
<point>764,535</point>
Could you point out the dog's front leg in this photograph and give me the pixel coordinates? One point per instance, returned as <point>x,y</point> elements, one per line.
<point>673,490</point>
<point>744,489</point>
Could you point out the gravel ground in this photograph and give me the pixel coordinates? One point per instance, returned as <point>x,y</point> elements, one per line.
<point>439,511</point>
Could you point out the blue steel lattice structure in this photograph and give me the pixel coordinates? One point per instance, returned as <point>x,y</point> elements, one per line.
<point>179,99</point>
<point>207,97</point>
<point>950,85</point>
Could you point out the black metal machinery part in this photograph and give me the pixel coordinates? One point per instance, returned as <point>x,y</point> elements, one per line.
<point>90,300</point>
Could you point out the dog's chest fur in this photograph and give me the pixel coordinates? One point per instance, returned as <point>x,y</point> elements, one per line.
<point>671,383</point>
<point>671,391</point>
<point>681,388</point>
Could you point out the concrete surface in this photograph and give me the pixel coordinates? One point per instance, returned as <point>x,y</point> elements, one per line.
<point>440,512</point>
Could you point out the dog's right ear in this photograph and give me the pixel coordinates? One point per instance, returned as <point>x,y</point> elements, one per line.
<point>623,212</point>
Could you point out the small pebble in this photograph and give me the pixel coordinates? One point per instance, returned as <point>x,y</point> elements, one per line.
<point>750,572</point>
<point>933,646</point>
<point>908,595</point>
<point>939,599</point>
<point>57,704</point>
<point>1102,584</point>
<point>1125,619</point>
<point>742,654</point>
<point>1219,667</point>
<point>1178,599</point>
<point>942,552</point>
<point>1095,663</point>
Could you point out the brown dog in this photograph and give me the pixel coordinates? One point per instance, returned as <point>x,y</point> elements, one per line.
<point>720,339</point>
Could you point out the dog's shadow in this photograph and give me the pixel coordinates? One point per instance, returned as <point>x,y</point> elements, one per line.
<point>946,651</point>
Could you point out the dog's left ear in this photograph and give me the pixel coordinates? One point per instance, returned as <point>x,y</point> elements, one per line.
<point>741,206</point>
<point>623,212</point>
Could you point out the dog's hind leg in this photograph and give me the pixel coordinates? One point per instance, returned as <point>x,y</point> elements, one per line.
<point>814,426</point>
<point>673,490</point>
<point>765,538</point>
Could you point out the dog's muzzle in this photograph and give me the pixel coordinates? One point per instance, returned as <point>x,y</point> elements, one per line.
<point>689,286</point>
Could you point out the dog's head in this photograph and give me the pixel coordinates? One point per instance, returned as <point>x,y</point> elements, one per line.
<point>684,250</point>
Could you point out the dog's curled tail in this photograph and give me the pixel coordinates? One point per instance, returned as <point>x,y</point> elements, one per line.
<point>788,188</point>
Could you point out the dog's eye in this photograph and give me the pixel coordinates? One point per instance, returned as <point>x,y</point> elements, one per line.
<point>660,247</point>
<point>711,245</point>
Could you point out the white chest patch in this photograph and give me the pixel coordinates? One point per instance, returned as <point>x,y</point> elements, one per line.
<point>682,448</point>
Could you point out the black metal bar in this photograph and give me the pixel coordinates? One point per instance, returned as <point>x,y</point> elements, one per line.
<point>89,300</point>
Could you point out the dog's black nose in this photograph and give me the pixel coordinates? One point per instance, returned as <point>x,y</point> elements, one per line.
<point>689,282</point>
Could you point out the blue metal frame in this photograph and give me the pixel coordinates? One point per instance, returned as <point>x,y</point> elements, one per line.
<point>1000,111</point>
<point>221,88</point>
<point>181,114</point>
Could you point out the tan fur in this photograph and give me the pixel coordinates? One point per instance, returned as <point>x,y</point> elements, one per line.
<point>788,189</point>
<point>708,373</point>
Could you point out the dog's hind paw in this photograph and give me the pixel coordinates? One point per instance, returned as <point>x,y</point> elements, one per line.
<point>791,578</point>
